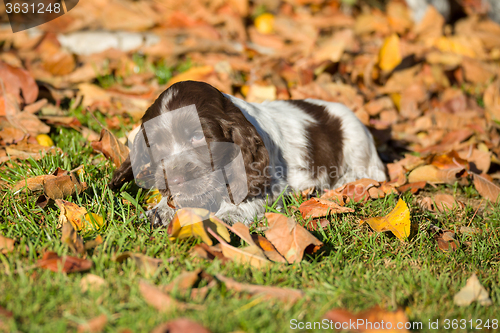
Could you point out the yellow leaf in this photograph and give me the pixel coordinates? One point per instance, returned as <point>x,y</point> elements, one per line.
<point>390,53</point>
<point>397,221</point>
<point>264,23</point>
<point>93,221</point>
<point>193,222</point>
<point>154,197</point>
<point>78,216</point>
<point>44,140</point>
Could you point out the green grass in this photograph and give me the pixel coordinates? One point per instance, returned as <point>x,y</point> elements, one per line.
<point>356,269</point>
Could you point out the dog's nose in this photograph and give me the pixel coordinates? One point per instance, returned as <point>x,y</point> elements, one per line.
<point>176,180</point>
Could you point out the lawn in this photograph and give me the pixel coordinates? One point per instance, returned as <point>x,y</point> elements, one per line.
<point>355,270</point>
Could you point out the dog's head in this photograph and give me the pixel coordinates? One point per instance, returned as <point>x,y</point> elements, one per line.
<point>197,146</point>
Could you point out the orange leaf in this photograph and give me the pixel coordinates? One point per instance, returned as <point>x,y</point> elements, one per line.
<point>317,207</point>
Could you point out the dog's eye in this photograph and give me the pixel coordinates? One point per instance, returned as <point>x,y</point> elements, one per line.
<point>197,138</point>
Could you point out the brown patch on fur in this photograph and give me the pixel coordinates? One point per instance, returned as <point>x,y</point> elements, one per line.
<point>326,139</point>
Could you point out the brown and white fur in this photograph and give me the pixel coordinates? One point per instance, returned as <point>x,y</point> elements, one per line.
<point>286,146</point>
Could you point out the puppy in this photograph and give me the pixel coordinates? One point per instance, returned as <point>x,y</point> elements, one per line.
<point>203,148</point>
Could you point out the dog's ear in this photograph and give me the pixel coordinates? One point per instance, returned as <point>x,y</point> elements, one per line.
<point>137,166</point>
<point>255,154</point>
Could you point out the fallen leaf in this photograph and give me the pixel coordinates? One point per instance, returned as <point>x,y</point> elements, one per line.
<point>290,238</point>
<point>375,316</point>
<point>473,291</point>
<point>180,325</point>
<point>15,81</point>
<point>78,216</point>
<point>63,186</point>
<point>318,207</point>
<point>111,147</point>
<point>450,160</point>
<point>269,250</point>
<point>65,264</point>
<point>94,325</point>
<point>208,252</point>
<point>315,225</point>
<point>194,222</point>
<point>71,238</point>
<point>397,221</point>
<point>184,281</point>
<point>486,188</point>
<point>91,282</point>
<point>412,187</point>
<point>390,53</point>
<point>445,239</point>
<point>6,244</point>
<point>433,175</point>
<point>251,254</point>
<point>283,294</point>
<point>147,265</point>
<point>441,203</point>
<point>158,299</point>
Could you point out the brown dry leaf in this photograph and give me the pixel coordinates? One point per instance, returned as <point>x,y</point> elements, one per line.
<point>282,294</point>
<point>23,150</point>
<point>268,248</point>
<point>433,175</point>
<point>290,238</point>
<point>318,207</point>
<point>208,252</point>
<point>15,81</point>
<point>397,221</point>
<point>6,244</point>
<point>445,239</point>
<point>194,222</point>
<point>412,187</point>
<point>180,325</point>
<point>93,95</point>
<point>78,216</point>
<point>94,325</point>
<point>33,184</point>
<point>473,291</point>
<point>486,187</point>
<point>358,190</point>
<point>446,202</point>
<point>492,100</point>
<point>111,147</point>
<point>93,243</point>
<point>62,186</point>
<point>147,265</point>
<point>65,264</point>
<point>312,225</point>
<point>155,297</point>
<point>373,315</point>
<point>251,254</point>
<point>184,281</point>
<point>71,238</point>
<point>91,282</point>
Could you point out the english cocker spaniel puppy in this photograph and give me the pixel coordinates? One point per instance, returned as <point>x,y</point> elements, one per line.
<point>202,148</point>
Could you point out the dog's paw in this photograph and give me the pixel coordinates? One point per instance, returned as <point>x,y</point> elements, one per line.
<point>161,214</point>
